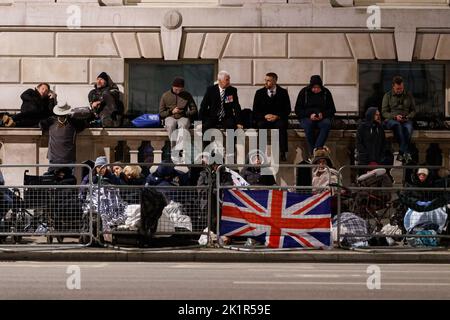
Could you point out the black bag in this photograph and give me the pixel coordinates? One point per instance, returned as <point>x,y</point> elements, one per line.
<point>304,175</point>
<point>152,205</point>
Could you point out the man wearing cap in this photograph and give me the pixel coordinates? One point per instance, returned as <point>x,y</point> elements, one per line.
<point>177,107</point>
<point>62,131</point>
<point>37,104</point>
<point>315,110</point>
<point>105,101</point>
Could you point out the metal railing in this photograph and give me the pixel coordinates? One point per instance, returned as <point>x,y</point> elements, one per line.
<point>160,207</point>
<point>375,212</point>
<point>259,224</point>
<point>45,207</point>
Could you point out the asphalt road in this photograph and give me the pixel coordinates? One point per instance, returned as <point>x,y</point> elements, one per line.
<point>273,281</point>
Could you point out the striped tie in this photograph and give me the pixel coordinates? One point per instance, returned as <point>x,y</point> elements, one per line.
<point>222,110</point>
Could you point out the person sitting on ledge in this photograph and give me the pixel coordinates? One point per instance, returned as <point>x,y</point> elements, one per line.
<point>105,101</point>
<point>37,105</point>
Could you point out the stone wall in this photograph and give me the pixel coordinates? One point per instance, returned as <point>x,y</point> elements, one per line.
<point>292,38</point>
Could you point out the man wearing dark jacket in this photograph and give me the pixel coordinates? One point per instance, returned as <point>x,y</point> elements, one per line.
<point>63,130</point>
<point>315,109</point>
<point>371,144</point>
<point>37,104</point>
<point>271,109</point>
<point>105,101</point>
<point>399,109</point>
<point>253,174</point>
<point>220,106</point>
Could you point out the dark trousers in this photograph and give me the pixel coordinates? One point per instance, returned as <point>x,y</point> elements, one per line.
<point>309,126</point>
<point>402,132</point>
<point>226,123</point>
<point>26,121</point>
<point>279,124</point>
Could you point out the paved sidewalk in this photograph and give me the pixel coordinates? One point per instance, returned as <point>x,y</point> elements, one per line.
<point>27,253</point>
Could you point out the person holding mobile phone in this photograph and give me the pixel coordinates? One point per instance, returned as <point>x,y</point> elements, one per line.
<point>398,109</point>
<point>37,105</point>
<point>315,109</point>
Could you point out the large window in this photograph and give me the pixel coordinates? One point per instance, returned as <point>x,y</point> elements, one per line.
<point>426,81</point>
<point>147,81</point>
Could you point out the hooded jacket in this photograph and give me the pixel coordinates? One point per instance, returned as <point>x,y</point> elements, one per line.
<point>371,140</point>
<point>109,95</point>
<point>309,102</point>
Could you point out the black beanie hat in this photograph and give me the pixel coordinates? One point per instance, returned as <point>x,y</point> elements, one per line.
<point>178,82</point>
<point>103,76</point>
<point>316,80</point>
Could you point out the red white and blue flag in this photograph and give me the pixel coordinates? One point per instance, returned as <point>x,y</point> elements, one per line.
<point>280,219</point>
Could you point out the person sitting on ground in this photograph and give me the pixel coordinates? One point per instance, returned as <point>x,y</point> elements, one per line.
<point>102,170</point>
<point>372,147</point>
<point>37,105</point>
<point>62,130</point>
<point>117,169</point>
<point>253,174</point>
<point>132,176</point>
<point>105,101</point>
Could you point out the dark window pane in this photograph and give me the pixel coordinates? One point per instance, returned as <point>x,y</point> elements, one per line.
<point>425,81</point>
<point>147,81</point>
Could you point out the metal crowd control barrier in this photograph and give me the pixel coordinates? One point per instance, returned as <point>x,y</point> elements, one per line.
<point>306,241</point>
<point>379,211</point>
<point>45,207</point>
<point>159,208</point>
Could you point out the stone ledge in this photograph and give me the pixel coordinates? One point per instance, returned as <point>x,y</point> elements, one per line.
<point>161,132</point>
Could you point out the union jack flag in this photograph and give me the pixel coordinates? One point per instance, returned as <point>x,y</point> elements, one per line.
<point>280,219</point>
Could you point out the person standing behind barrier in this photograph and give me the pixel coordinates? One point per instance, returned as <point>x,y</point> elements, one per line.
<point>220,106</point>
<point>62,131</point>
<point>399,109</point>
<point>315,110</point>
<point>177,107</point>
<point>271,109</point>
<point>37,105</point>
<point>372,147</point>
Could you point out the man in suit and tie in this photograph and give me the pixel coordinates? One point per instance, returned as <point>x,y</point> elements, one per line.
<point>220,106</point>
<point>271,109</point>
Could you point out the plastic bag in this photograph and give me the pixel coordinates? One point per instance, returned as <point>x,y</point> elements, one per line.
<point>147,121</point>
<point>203,240</point>
<point>174,211</point>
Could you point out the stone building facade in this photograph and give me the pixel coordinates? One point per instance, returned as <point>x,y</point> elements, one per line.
<point>68,43</point>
